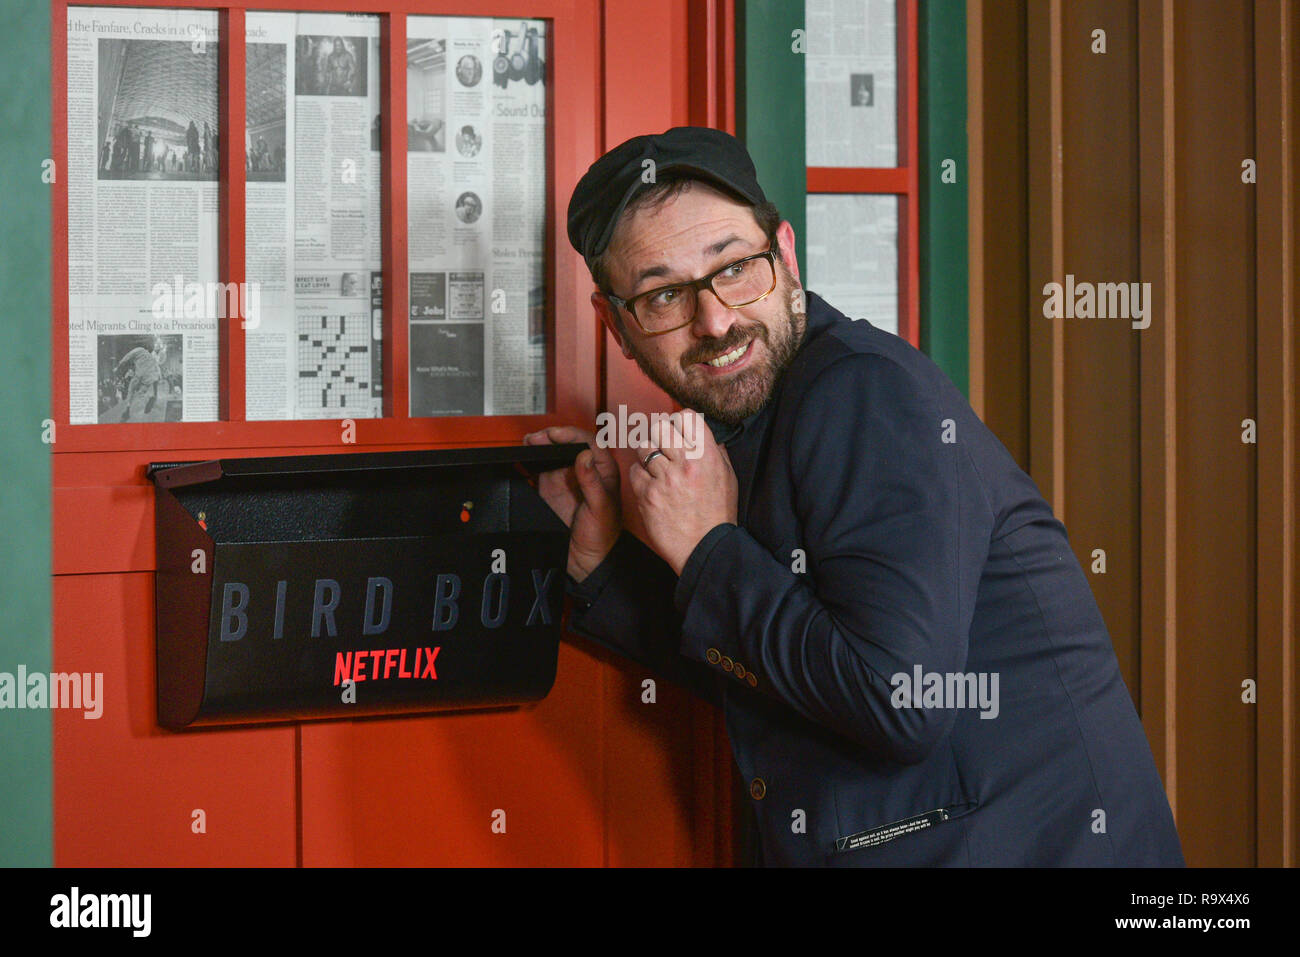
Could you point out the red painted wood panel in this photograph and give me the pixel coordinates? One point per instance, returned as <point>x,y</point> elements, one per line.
<point>427,790</point>
<point>124,790</point>
<point>588,776</point>
<point>656,802</point>
<point>848,179</point>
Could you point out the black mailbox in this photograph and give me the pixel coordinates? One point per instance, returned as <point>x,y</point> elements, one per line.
<point>335,586</point>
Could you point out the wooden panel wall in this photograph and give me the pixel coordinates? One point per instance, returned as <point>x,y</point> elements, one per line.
<point>1127,166</point>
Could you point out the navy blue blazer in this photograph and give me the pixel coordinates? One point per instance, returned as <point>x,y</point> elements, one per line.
<point>912,666</point>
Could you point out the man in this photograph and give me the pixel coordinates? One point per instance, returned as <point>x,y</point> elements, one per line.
<point>468,142</point>
<point>340,70</point>
<point>912,666</point>
<point>144,372</point>
<point>468,208</point>
<point>192,148</point>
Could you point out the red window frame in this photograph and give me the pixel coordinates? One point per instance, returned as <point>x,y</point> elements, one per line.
<point>902,180</point>
<point>572,354</point>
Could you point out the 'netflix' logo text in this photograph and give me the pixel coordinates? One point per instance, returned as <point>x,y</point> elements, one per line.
<point>353,666</point>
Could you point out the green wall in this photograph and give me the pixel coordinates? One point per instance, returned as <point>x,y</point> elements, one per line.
<point>26,812</point>
<point>941,35</point>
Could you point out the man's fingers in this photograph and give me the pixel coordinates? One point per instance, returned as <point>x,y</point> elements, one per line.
<point>606,468</point>
<point>559,435</point>
<point>681,435</point>
<point>695,434</point>
<point>572,484</point>
<point>667,441</point>
<point>637,479</point>
<point>559,490</point>
<point>593,486</point>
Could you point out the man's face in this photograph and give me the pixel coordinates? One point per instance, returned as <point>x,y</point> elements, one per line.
<point>690,235</point>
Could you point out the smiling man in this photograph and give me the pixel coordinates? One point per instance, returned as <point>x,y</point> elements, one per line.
<point>912,666</point>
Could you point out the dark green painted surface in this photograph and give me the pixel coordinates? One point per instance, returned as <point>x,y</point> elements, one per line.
<point>941,35</point>
<point>26,811</point>
<point>769,105</point>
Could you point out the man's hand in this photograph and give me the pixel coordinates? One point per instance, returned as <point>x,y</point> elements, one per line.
<point>585,497</point>
<point>685,492</point>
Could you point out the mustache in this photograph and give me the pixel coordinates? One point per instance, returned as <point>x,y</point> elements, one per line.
<point>712,348</point>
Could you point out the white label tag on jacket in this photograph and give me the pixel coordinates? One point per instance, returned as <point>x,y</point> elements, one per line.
<point>887,832</point>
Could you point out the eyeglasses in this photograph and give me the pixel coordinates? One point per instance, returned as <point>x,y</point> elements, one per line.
<point>736,284</point>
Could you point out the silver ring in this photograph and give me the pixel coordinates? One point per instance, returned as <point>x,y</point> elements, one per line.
<point>645,462</point>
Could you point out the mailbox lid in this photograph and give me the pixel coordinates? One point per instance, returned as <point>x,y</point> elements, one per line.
<point>366,495</point>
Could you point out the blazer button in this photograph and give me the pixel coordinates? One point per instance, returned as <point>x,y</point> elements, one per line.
<point>727,664</point>
<point>740,670</point>
<point>713,656</point>
<point>753,682</point>
<point>757,789</point>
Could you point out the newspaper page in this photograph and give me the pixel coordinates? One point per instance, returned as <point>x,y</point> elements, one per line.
<point>476,201</point>
<point>312,219</point>
<point>853,255</point>
<point>851,83</point>
<point>143,291</point>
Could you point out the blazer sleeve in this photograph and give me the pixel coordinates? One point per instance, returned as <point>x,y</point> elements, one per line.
<point>625,605</point>
<point>896,531</point>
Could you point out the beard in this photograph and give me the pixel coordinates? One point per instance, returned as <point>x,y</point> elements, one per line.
<point>735,398</point>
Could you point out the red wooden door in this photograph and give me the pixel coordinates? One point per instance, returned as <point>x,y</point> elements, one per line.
<point>588,776</point>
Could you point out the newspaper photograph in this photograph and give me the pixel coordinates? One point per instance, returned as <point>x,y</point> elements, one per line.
<point>476,201</point>
<point>140,378</point>
<point>851,83</point>
<point>312,216</point>
<point>143,290</point>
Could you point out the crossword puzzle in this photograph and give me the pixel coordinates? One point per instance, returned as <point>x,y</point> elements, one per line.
<point>333,363</point>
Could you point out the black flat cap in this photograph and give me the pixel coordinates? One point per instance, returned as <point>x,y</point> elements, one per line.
<point>606,188</point>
